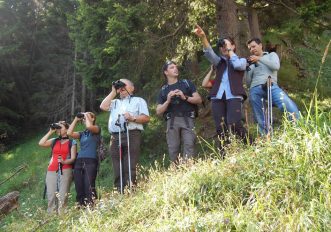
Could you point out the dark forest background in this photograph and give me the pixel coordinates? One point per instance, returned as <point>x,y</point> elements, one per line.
<point>60,57</point>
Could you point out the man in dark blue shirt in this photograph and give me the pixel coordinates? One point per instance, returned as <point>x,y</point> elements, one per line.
<point>177,102</point>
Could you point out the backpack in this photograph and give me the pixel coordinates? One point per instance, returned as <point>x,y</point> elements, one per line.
<point>102,149</point>
<point>188,88</point>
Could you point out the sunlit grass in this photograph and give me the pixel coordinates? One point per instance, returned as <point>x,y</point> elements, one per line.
<point>8,156</point>
<point>282,184</point>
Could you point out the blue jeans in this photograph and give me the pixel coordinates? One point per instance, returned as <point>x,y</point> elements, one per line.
<point>258,96</point>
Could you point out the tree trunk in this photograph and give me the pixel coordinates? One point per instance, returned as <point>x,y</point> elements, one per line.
<point>9,202</point>
<point>92,100</point>
<point>227,18</point>
<point>73,96</point>
<point>83,97</point>
<point>244,35</point>
<point>253,20</point>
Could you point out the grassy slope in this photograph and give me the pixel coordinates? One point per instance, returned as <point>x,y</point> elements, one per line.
<point>279,185</point>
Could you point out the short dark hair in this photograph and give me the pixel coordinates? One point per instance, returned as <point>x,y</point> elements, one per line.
<point>165,66</point>
<point>220,41</point>
<point>256,40</point>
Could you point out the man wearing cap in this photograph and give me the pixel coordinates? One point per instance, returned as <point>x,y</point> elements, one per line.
<point>127,112</point>
<point>227,92</point>
<point>177,101</point>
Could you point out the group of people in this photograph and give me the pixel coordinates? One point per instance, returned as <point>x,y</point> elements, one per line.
<point>177,102</point>
<point>226,90</point>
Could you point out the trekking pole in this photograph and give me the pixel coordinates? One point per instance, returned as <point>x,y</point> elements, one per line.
<point>120,150</point>
<point>59,173</point>
<point>269,85</point>
<point>268,108</point>
<point>264,115</point>
<point>58,182</point>
<point>129,160</point>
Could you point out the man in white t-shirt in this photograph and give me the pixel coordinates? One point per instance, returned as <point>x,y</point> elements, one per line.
<point>127,112</point>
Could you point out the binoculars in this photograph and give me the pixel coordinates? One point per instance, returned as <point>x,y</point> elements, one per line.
<point>55,126</point>
<point>80,115</point>
<point>118,84</point>
<point>220,43</point>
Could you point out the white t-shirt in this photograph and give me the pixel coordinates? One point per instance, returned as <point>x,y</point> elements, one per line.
<point>133,105</point>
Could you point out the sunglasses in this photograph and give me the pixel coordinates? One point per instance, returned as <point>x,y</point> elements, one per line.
<point>167,63</point>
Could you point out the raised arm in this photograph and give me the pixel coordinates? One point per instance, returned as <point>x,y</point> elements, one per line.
<point>106,103</point>
<point>89,124</point>
<point>238,63</point>
<point>209,52</point>
<point>202,35</point>
<point>44,141</point>
<point>71,128</point>
<point>206,81</point>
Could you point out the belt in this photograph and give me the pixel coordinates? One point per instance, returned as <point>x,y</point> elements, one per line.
<point>190,114</point>
<point>186,115</point>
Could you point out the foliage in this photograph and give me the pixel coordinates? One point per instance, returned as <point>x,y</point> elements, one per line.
<point>311,57</point>
<point>35,68</point>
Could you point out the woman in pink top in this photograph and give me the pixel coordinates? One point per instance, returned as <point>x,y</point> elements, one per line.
<point>59,171</point>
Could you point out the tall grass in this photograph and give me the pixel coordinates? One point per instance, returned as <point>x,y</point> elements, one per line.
<point>314,101</point>
<point>278,185</point>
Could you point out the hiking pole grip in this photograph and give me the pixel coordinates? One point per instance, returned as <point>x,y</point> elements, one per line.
<point>60,167</point>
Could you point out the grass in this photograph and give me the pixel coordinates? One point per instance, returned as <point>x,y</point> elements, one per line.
<point>278,185</point>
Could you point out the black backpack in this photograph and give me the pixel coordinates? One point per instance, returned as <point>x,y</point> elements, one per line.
<point>189,90</point>
<point>102,149</point>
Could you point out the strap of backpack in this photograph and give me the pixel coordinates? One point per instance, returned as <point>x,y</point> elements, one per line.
<point>187,85</point>
<point>163,90</point>
<point>53,144</point>
<point>70,145</point>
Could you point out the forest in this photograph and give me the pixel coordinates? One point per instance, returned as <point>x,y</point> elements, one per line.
<point>61,57</point>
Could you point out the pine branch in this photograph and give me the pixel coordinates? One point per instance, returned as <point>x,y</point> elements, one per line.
<point>175,32</point>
